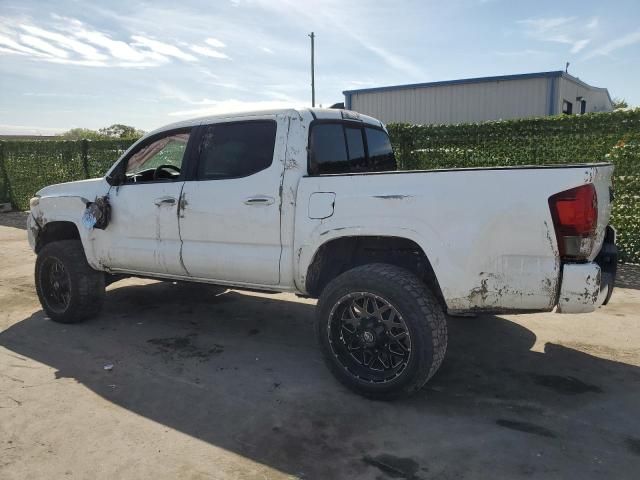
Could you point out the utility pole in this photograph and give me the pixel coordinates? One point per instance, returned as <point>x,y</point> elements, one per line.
<point>313,80</point>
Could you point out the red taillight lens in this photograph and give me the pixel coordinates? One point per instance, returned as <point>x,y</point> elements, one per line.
<point>575,217</point>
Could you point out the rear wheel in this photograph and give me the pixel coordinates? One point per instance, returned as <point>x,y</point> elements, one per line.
<point>68,288</point>
<point>383,333</point>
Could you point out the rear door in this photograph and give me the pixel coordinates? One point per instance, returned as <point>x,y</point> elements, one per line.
<point>230,206</point>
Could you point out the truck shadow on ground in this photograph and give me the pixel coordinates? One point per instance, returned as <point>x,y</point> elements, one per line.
<point>242,372</point>
<point>14,220</point>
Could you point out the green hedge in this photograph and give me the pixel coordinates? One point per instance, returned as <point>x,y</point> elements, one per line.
<point>594,137</point>
<point>27,166</point>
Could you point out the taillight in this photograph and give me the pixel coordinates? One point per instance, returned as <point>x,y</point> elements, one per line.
<point>575,217</point>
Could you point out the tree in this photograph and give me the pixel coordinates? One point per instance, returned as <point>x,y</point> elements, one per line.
<point>81,134</point>
<point>118,130</point>
<point>619,103</point>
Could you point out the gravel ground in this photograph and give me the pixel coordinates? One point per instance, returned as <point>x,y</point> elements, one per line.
<point>210,385</point>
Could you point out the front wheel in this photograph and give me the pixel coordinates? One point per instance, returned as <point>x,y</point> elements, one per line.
<point>382,332</point>
<point>68,288</point>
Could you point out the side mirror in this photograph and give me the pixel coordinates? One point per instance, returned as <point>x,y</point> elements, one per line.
<point>117,176</point>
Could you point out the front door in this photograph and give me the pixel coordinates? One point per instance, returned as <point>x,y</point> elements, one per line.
<point>143,235</point>
<point>230,216</point>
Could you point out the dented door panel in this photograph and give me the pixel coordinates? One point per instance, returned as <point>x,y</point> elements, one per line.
<point>143,234</point>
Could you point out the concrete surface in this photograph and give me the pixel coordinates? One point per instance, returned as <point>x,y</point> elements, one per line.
<point>231,386</point>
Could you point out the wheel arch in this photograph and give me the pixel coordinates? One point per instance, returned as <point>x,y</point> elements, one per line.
<point>337,255</point>
<point>57,230</point>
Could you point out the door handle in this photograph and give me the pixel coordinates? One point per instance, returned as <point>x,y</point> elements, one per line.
<point>165,201</point>
<point>259,200</point>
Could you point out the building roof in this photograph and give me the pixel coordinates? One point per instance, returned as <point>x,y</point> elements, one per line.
<point>466,81</point>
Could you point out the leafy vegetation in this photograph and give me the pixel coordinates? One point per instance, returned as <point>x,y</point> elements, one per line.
<point>117,130</point>
<point>619,103</point>
<point>27,166</point>
<point>566,139</point>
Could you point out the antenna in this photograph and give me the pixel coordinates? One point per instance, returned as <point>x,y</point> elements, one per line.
<point>313,80</point>
<point>566,68</point>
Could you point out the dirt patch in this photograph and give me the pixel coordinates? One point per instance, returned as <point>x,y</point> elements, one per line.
<point>565,385</point>
<point>14,220</point>
<point>633,445</point>
<point>526,427</point>
<point>394,467</point>
<point>184,347</point>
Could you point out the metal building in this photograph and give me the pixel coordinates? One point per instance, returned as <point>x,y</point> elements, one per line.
<point>480,99</point>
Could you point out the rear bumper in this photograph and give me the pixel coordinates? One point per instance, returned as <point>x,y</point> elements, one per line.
<point>586,286</point>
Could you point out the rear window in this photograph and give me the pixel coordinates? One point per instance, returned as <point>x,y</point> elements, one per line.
<point>347,148</point>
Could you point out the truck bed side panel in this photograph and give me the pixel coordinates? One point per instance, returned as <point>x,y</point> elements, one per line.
<point>488,234</point>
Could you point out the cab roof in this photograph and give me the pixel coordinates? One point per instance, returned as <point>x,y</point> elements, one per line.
<point>316,113</point>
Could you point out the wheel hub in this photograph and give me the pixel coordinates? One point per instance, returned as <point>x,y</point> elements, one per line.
<point>369,337</point>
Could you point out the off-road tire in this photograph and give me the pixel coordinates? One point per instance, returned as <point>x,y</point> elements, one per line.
<point>421,311</point>
<point>87,286</point>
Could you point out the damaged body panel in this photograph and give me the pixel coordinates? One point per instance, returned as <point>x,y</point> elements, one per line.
<point>488,233</point>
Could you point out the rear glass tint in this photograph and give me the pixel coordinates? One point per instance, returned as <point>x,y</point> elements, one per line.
<point>328,149</point>
<point>339,147</point>
<point>381,156</point>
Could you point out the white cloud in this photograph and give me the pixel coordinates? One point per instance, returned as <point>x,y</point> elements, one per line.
<point>331,14</point>
<point>564,30</point>
<point>621,42</point>
<point>593,23</point>
<point>14,47</point>
<point>162,48</point>
<point>43,46</point>
<point>267,50</point>
<point>214,42</point>
<point>215,107</point>
<point>519,53</point>
<point>69,41</point>
<point>87,51</point>
<point>28,130</point>
<point>208,52</point>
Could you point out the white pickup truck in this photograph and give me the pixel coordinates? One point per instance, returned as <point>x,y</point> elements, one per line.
<point>308,201</point>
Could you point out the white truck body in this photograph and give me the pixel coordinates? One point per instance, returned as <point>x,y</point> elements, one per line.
<point>488,234</point>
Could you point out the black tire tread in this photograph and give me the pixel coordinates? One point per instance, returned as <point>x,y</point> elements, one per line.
<point>87,284</point>
<point>431,319</point>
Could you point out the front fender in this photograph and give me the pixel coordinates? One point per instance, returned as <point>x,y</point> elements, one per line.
<point>65,203</point>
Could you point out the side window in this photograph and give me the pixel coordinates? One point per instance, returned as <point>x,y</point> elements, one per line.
<point>158,160</point>
<point>381,156</point>
<point>328,149</point>
<point>232,150</point>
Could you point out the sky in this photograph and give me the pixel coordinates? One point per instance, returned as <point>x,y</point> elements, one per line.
<point>71,63</point>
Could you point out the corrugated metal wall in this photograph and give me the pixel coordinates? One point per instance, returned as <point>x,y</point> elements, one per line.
<point>479,101</point>
<point>597,98</point>
<point>462,103</point>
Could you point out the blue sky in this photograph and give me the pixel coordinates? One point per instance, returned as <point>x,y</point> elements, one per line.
<point>71,63</point>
